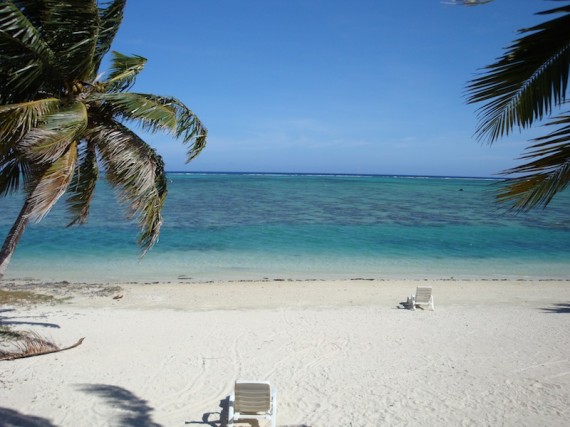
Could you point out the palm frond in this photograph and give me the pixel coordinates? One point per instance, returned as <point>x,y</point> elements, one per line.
<point>151,216</point>
<point>15,25</point>
<point>137,171</point>
<point>82,185</point>
<point>547,173</point>
<point>18,119</point>
<point>9,173</point>
<point>159,113</point>
<point>53,183</point>
<point>15,171</point>
<point>46,143</point>
<point>527,82</point>
<point>25,58</point>
<point>151,114</point>
<point>110,17</point>
<point>71,28</point>
<point>124,69</point>
<point>15,121</point>
<point>33,9</point>
<point>189,128</point>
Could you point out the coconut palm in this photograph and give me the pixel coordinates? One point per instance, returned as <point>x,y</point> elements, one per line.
<point>527,84</point>
<point>60,124</point>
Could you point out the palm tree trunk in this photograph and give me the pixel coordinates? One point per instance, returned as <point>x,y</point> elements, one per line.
<point>14,236</point>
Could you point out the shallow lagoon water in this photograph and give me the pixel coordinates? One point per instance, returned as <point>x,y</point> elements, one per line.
<point>256,226</point>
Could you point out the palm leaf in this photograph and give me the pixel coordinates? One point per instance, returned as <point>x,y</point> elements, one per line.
<point>33,10</point>
<point>145,109</point>
<point>71,29</point>
<point>124,69</point>
<point>188,127</point>
<point>25,58</point>
<point>18,119</point>
<point>9,173</point>
<point>151,215</point>
<point>53,183</point>
<point>137,171</point>
<point>527,82</point>
<point>46,143</point>
<point>14,171</point>
<point>160,113</point>
<point>110,17</point>
<point>82,186</point>
<point>547,173</point>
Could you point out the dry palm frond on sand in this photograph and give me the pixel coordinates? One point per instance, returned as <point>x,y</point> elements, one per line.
<point>29,344</point>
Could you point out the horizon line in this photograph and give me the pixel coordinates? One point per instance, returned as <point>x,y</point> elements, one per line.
<point>385,175</point>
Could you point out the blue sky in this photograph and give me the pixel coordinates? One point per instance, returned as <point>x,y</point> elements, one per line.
<point>327,86</point>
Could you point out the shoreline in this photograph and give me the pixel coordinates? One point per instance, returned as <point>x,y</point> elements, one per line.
<point>283,293</point>
<point>493,352</point>
<point>32,281</point>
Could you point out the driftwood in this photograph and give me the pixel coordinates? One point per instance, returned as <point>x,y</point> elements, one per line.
<point>49,348</point>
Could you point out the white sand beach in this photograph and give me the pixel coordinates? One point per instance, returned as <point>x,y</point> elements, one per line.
<point>339,353</point>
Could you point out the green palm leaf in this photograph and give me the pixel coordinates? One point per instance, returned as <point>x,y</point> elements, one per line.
<point>33,8</point>
<point>525,84</point>
<point>25,57</point>
<point>46,143</point>
<point>151,215</point>
<point>124,69</point>
<point>156,113</point>
<point>151,114</point>
<point>110,17</point>
<point>188,127</point>
<point>52,183</point>
<point>9,173</point>
<point>74,47</point>
<point>14,171</point>
<point>17,119</point>
<point>82,186</point>
<point>137,171</point>
<point>544,176</point>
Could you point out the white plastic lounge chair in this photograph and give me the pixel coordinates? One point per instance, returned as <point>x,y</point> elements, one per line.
<point>252,400</point>
<point>423,296</point>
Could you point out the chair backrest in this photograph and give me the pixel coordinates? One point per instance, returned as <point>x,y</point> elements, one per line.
<point>252,397</point>
<point>423,294</point>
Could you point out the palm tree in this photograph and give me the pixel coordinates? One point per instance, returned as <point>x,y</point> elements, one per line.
<point>527,84</point>
<point>60,123</point>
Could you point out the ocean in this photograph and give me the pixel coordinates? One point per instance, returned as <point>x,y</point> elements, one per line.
<point>283,226</point>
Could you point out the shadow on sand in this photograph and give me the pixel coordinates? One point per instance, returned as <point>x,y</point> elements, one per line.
<point>131,411</point>
<point>222,416</point>
<point>11,418</point>
<point>558,308</point>
<point>8,320</point>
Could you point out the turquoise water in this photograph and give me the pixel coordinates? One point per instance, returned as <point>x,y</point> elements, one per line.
<point>247,226</point>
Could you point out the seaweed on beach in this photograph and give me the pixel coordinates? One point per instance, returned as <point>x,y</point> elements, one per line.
<point>23,297</point>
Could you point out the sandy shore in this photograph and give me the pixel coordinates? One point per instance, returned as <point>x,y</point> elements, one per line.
<point>339,353</point>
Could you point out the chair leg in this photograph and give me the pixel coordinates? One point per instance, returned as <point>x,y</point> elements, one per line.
<point>231,411</point>
<point>274,409</point>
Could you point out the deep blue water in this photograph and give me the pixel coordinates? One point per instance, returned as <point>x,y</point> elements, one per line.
<point>252,226</point>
